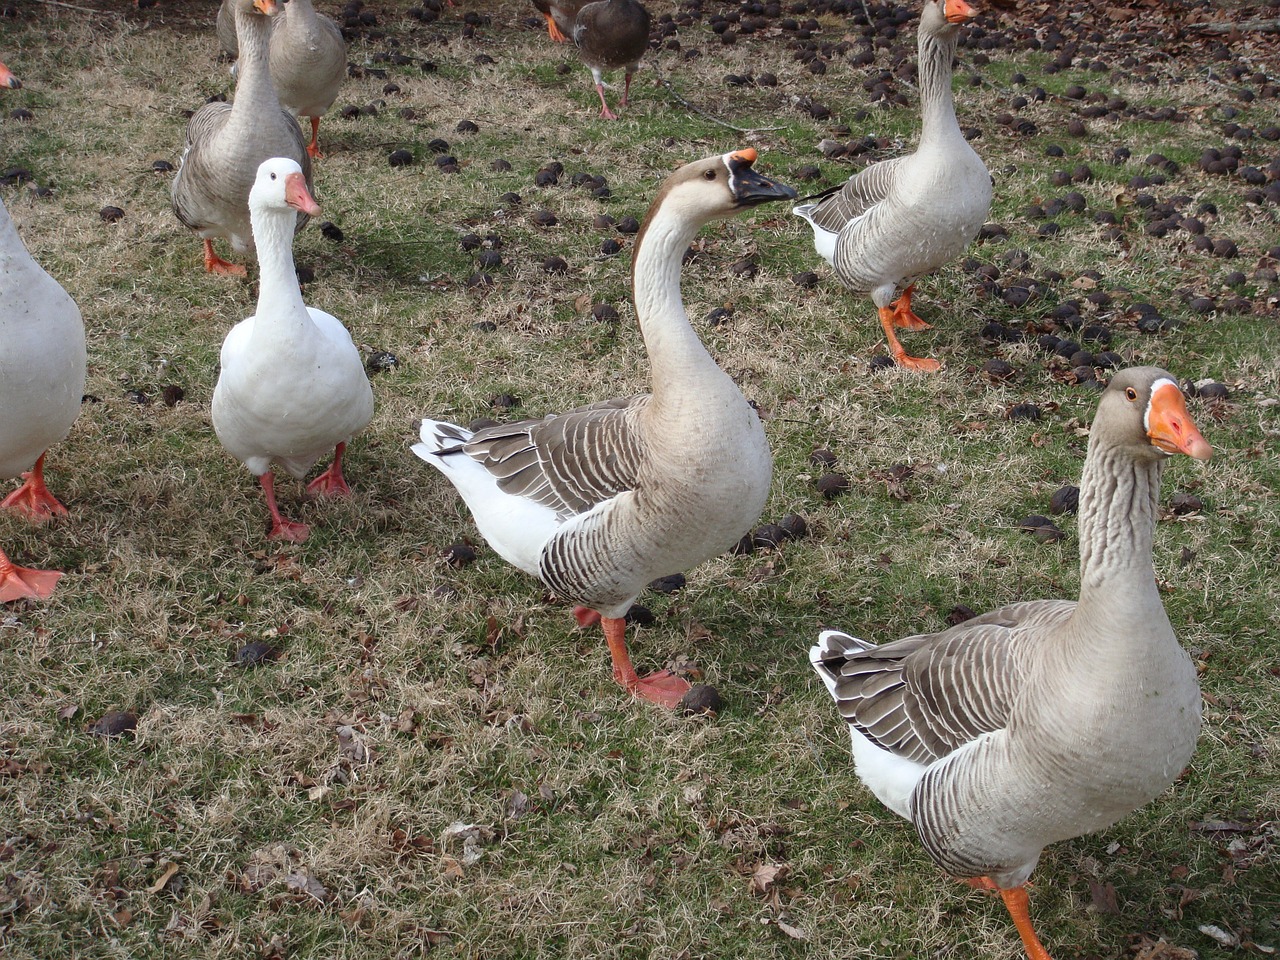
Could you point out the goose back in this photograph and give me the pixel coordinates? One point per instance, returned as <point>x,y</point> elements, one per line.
<point>611,33</point>
<point>308,59</point>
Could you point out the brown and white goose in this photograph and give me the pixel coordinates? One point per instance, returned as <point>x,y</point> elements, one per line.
<point>42,371</point>
<point>903,218</point>
<point>226,143</point>
<point>1048,719</point>
<point>599,501</point>
<point>610,34</point>
<point>559,15</point>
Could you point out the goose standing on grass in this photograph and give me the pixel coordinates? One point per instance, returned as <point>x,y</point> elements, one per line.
<point>308,64</point>
<point>902,218</point>
<point>610,34</point>
<point>292,385</point>
<point>227,142</point>
<point>1047,719</point>
<point>559,15</point>
<point>599,501</point>
<point>42,371</point>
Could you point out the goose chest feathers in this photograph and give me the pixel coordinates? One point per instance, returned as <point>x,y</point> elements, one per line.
<point>1048,719</point>
<point>599,501</point>
<point>905,217</point>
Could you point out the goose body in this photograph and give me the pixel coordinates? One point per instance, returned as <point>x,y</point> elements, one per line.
<point>225,144</point>
<point>292,385</point>
<point>42,374</point>
<point>905,217</point>
<point>308,64</point>
<point>611,35</point>
<point>599,501</point>
<point>1048,719</point>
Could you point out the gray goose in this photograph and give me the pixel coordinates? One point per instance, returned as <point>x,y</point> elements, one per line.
<point>1047,719</point>
<point>610,34</point>
<point>903,218</point>
<point>42,370</point>
<point>559,15</point>
<point>308,64</point>
<point>599,501</point>
<point>225,143</point>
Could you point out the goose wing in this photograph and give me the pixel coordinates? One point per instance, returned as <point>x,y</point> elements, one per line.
<point>202,129</point>
<point>569,462</point>
<point>924,696</point>
<point>860,193</point>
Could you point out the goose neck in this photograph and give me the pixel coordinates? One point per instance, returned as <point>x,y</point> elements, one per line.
<point>937,105</point>
<point>254,87</point>
<point>1119,501</point>
<point>278,293</point>
<point>678,360</point>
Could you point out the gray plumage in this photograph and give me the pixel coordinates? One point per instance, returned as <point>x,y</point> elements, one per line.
<point>611,35</point>
<point>226,143</point>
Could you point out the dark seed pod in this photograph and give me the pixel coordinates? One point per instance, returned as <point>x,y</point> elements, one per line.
<point>702,700</point>
<point>466,126</point>
<point>770,535</point>
<point>794,526</point>
<point>1042,528</point>
<point>114,723</point>
<point>255,653</point>
<point>831,485</point>
<point>822,457</point>
<point>1065,500</point>
<point>1185,503</point>
<point>554,264</point>
<point>111,214</point>
<point>380,361</point>
<point>505,401</point>
<point>959,614</point>
<point>628,225</point>
<point>999,370</point>
<point>640,616</point>
<point>458,554</point>
<point>162,166</point>
<point>668,584</point>
<point>1023,411</point>
<point>331,231</point>
<point>604,313</point>
<point>172,395</point>
<point>543,218</point>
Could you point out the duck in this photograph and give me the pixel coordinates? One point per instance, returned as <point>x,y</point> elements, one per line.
<point>292,385</point>
<point>42,377</point>
<point>610,34</point>
<point>225,143</point>
<point>599,501</point>
<point>559,15</point>
<point>1042,720</point>
<point>903,218</point>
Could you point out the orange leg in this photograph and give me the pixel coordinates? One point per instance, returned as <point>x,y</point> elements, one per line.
<point>626,91</point>
<point>33,499</point>
<point>605,112</point>
<point>19,583</point>
<point>1019,907</point>
<point>331,483</point>
<point>663,688</point>
<point>281,529</point>
<point>900,356</point>
<point>904,317</point>
<point>215,264</point>
<point>313,148</point>
<point>554,31</point>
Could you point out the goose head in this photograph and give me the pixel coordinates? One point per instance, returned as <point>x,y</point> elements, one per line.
<point>719,187</point>
<point>940,15</point>
<point>267,8</point>
<point>1143,412</point>
<point>7,79</point>
<point>280,186</point>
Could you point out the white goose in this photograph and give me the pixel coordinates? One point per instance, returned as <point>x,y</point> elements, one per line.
<point>903,218</point>
<point>599,501</point>
<point>226,142</point>
<point>42,371</point>
<point>1047,719</point>
<point>292,385</point>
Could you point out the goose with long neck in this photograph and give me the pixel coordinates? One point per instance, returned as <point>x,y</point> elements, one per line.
<point>1047,719</point>
<point>42,376</point>
<point>226,143</point>
<point>902,218</point>
<point>292,385</point>
<point>599,501</point>
<point>611,34</point>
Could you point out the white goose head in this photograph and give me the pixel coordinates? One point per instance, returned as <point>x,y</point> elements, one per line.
<point>1143,413</point>
<point>281,186</point>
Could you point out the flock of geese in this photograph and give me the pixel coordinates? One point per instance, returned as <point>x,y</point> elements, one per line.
<point>1036,722</point>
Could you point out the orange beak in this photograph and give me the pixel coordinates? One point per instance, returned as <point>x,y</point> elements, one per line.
<point>7,79</point>
<point>958,11</point>
<point>1171,428</point>
<point>267,8</point>
<point>747,155</point>
<point>297,196</point>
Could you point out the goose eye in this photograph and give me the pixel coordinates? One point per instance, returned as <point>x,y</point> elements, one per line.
<point>709,175</point>
<point>1130,393</point>
<point>273,176</point>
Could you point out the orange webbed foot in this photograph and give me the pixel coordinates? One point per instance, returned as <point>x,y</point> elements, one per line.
<point>33,499</point>
<point>215,264</point>
<point>331,483</point>
<point>23,583</point>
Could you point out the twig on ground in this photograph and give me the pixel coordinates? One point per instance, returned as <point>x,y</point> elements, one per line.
<point>1243,26</point>
<point>662,82</point>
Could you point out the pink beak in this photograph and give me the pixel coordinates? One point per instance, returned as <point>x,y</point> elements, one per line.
<point>297,196</point>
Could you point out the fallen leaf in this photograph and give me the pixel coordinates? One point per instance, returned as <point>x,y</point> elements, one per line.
<point>795,933</point>
<point>1213,931</point>
<point>452,868</point>
<point>303,882</point>
<point>163,881</point>
<point>766,875</point>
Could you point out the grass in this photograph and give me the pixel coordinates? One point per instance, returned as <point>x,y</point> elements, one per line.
<point>438,760</point>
